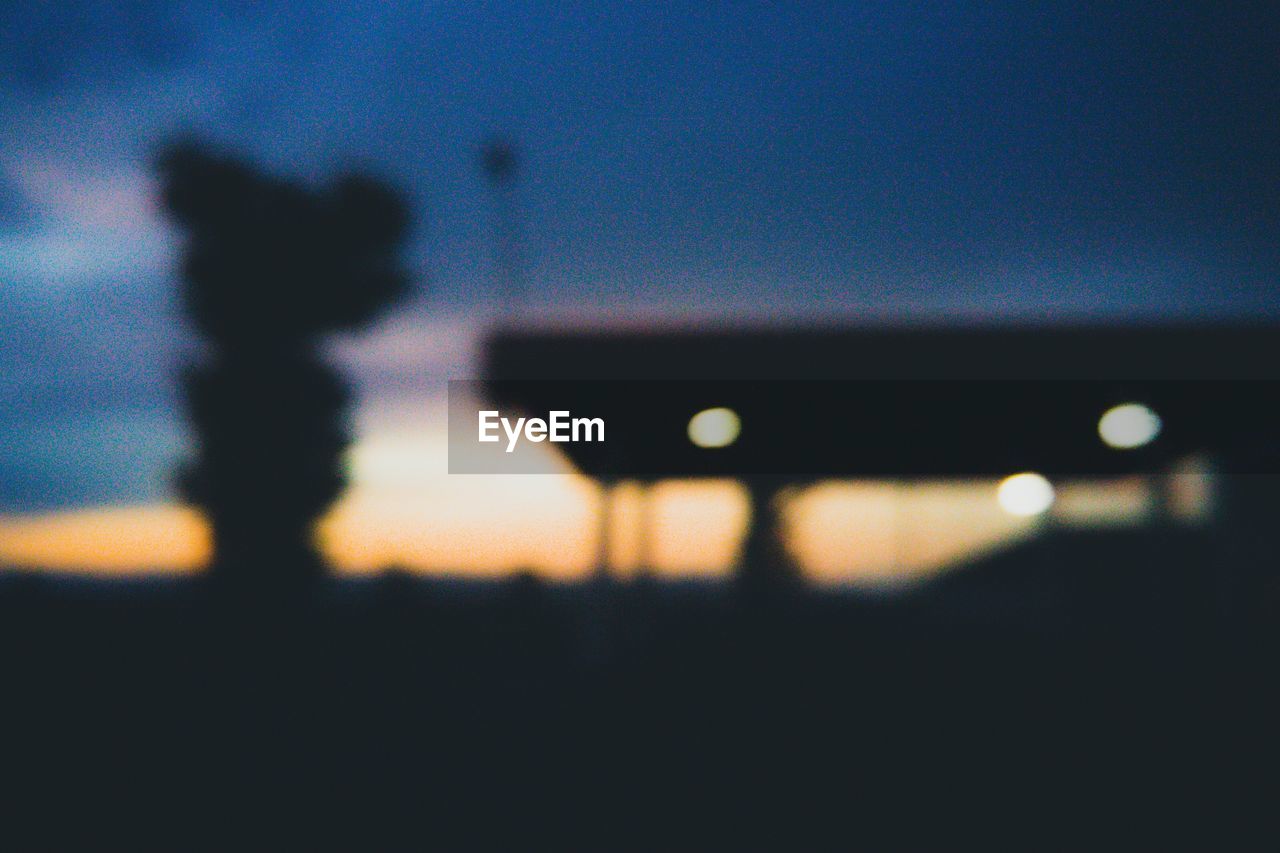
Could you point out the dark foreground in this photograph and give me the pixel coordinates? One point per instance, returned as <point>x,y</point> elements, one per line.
<point>1058,711</point>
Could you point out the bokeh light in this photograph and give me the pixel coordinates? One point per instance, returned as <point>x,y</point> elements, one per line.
<point>1025,494</point>
<point>718,427</point>
<point>1128,426</point>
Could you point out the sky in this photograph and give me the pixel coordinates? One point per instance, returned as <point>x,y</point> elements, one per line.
<point>681,163</point>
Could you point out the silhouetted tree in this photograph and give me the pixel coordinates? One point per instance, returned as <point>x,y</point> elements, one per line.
<point>270,268</point>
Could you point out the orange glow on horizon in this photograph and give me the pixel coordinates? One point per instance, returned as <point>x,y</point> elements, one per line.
<point>839,532</point>
<point>108,541</point>
<point>404,510</point>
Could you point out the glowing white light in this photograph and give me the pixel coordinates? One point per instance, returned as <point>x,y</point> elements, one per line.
<point>717,427</point>
<point>1025,494</point>
<point>1128,426</point>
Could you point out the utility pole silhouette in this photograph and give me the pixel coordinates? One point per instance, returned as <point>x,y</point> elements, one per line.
<point>270,267</point>
<point>500,163</point>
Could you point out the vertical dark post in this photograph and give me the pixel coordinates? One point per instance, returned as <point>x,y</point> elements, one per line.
<point>604,544</point>
<point>765,565</point>
<point>644,528</point>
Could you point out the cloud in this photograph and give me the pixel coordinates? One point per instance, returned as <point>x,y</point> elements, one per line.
<point>89,398</point>
<point>53,45</point>
<point>16,209</point>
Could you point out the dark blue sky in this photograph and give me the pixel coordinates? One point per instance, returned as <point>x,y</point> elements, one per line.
<point>854,160</point>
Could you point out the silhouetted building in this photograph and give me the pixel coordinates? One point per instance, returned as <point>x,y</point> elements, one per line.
<point>905,402</point>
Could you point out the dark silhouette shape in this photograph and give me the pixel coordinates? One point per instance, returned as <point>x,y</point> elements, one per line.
<point>500,161</point>
<point>765,565</point>
<point>271,267</point>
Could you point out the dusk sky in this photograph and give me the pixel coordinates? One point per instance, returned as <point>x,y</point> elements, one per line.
<point>769,162</point>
